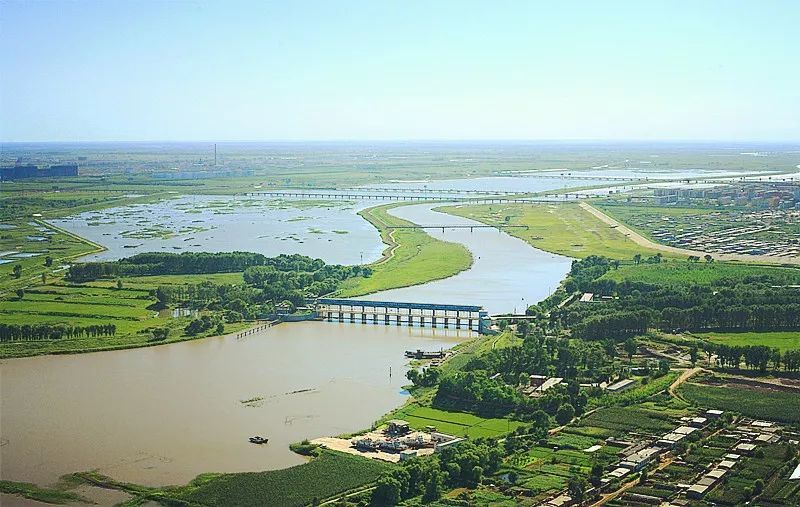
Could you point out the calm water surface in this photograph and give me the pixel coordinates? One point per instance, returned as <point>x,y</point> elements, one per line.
<point>162,415</point>
<point>507,274</point>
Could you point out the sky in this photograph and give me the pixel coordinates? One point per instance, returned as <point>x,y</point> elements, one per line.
<point>341,70</point>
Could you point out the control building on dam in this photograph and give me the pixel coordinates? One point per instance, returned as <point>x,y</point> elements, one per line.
<point>404,314</point>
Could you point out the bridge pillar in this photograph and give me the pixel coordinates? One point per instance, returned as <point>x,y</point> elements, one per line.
<point>422,321</point>
<point>386,319</point>
<point>446,322</point>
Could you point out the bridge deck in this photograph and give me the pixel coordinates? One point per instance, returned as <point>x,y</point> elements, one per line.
<point>391,304</point>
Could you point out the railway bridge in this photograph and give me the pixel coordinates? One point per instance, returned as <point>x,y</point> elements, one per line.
<point>396,313</point>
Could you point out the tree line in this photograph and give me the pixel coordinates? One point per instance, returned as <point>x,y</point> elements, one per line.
<point>34,332</point>
<point>166,263</point>
<point>752,303</point>
<point>755,357</point>
<point>286,281</point>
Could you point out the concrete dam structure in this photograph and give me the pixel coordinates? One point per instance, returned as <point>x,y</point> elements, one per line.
<point>410,314</point>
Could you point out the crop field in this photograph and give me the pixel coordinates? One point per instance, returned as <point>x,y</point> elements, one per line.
<point>682,272</point>
<point>329,474</point>
<point>781,340</point>
<point>460,424</point>
<point>564,229</point>
<point>543,470</point>
<point>97,303</point>
<point>629,419</point>
<point>637,394</point>
<point>412,257</point>
<point>758,403</point>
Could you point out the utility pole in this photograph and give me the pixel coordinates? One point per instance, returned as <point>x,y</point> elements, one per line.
<point>215,154</point>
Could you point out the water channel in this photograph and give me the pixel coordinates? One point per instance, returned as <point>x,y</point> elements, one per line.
<point>162,415</point>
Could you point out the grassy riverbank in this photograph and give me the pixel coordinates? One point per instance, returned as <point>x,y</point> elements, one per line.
<point>129,308</point>
<point>560,228</point>
<point>412,257</point>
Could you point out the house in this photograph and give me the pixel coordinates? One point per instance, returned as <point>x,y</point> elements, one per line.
<point>698,422</point>
<point>713,414</point>
<point>444,445</point>
<point>745,448</point>
<point>622,385</point>
<point>407,454</point>
<point>641,459</point>
<point>398,427</point>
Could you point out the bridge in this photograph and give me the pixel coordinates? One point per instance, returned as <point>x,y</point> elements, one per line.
<point>387,197</point>
<point>474,318</point>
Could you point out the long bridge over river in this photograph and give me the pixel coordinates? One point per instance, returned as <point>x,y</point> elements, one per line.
<point>403,314</point>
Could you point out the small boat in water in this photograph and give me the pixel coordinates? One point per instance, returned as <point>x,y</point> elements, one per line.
<point>258,440</point>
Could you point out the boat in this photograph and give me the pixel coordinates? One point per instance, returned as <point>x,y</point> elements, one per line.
<point>258,440</point>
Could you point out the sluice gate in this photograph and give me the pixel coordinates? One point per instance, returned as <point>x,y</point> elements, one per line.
<point>404,314</point>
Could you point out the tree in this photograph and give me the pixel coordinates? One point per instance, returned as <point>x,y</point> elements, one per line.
<point>565,413</point>
<point>512,477</point>
<point>17,271</point>
<point>693,354</point>
<point>220,328</point>
<point>637,258</point>
<point>708,258</point>
<point>44,278</point>
<point>596,475</point>
<point>643,477</point>
<point>119,284</point>
<point>477,474</point>
<point>20,293</point>
<point>387,491</point>
<point>631,347</point>
<point>577,488</point>
<point>48,261</point>
<point>758,487</point>
<point>160,333</point>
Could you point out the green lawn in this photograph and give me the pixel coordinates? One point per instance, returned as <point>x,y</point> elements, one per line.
<point>565,229</point>
<point>681,272</point>
<point>413,257</point>
<point>459,424</point>
<point>782,340</point>
<point>759,403</point>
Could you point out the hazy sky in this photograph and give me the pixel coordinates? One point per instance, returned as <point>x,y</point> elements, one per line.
<point>117,70</point>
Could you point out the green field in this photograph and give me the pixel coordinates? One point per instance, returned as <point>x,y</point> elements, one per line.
<point>683,272</point>
<point>460,424</point>
<point>565,229</point>
<point>98,303</point>
<point>329,474</point>
<point>413,257</point>
<point>759,403</point>
<point>781,340</point>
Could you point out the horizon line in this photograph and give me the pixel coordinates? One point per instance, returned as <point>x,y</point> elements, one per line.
<point>412,140</point>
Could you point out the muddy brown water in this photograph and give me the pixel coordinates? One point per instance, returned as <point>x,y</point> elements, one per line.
<point>162,415</point>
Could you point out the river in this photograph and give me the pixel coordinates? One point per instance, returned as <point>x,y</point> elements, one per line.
<point>162,415</point>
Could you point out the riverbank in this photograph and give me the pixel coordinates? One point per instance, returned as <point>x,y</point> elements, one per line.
<point>561,228</point>
<point>412,256</point>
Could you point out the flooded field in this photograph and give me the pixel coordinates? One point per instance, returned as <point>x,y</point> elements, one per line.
<point>162,415</point>
<point>330,230</point>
